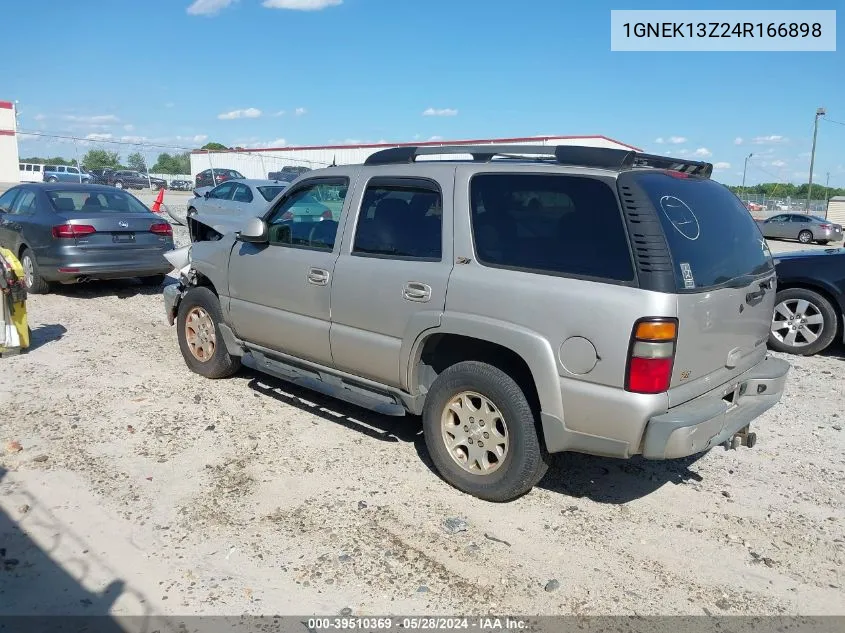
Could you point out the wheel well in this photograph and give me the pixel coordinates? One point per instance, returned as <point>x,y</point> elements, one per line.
<point>441,351</point>
<point>204,282</point>
<point>837,308</point>
<point>21,250</point>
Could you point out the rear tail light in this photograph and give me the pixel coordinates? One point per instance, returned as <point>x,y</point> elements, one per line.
<point>327,215</point>
<point>676,174</point>
<point>652,355</point>
<point>70,231</point>
<point>287,216</point>
<point>161,228</point>
<point>825,226</point>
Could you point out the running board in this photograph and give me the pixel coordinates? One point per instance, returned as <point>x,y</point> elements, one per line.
<point>324,383</point>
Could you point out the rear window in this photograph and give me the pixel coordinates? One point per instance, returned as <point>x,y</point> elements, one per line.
<point>270,193</point>
<point>550,224</point>
<point>711,235</point>
<point>97,202</point>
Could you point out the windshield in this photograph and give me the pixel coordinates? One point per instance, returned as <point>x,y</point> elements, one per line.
<point>270,192</point>
<point>711,235</point>
<point>96,202</point>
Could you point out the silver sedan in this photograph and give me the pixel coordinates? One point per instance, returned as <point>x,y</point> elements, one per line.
<point>234,199</point>
<point>804,228</point>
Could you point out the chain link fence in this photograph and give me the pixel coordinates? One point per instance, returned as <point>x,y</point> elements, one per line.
<point>764,206</point>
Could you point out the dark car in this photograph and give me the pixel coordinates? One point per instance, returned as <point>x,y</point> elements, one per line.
<point>207,179</point>
<point>70,233</point>
<point>180,185</point>
<point>810,303</point>
<point>288,174</point>
<point>100,176</point>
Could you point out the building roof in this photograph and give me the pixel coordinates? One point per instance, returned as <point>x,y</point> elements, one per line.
<point>524,139</point>
<point>837,199</point>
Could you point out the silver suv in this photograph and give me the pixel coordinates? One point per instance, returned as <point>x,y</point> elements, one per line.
<point>524,300</point>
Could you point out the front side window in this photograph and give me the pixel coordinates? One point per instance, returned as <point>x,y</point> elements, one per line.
<point>223,192</point>
<point>551,224</point>
<point>302,220</point>
<point>72,170</point>
<point>7,199</point>
<point>402,218</point>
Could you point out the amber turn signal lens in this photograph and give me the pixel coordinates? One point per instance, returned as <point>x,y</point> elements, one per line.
<point>656,331</point>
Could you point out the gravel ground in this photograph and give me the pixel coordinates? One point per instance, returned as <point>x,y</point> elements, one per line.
<point>142,488</point>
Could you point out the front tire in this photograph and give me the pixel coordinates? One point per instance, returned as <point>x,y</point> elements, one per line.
<point>34,282</point>
<point>197,327</point>
<point>804,322</point>
<point>805,237</point>
<point>118,185</point>
<point>481,433</point>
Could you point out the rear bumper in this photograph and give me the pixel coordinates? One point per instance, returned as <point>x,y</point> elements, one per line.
<point>708,421</point>
<point>69,267</point>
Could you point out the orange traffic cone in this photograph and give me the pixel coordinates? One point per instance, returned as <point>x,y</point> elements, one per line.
<point>159,200</point>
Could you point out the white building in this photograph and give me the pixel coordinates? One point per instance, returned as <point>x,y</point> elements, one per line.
<point>9,170</point>
<point>257,163</point>
<point>836,210</point>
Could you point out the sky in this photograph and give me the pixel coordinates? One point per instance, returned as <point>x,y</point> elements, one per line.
<point>267,73</point>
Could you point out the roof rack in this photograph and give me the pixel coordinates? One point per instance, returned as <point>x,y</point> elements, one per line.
<point>601,157</point>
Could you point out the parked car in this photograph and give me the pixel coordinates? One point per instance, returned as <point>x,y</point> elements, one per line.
<point>480,295</point>
<point>72,233</point>
<point>810,303</point>
<point>100,176</point>
<point>804,228</point>
<point>236,199</point>
<point>288,174</point>
<point>64,173</point>
<point>154,183</point>
<point>206,179</point>
<point>127,179</point>
<point>180,185</point>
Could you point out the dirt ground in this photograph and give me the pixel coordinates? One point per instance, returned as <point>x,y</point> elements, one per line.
<point>141,488</point>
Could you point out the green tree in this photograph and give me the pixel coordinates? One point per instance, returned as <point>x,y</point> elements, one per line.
<point>175,164</point>
<point>101,158</point>
<point>214,146</point>
<point>135,161</point>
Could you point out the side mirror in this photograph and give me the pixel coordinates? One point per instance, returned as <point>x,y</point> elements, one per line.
<point>254,231</point>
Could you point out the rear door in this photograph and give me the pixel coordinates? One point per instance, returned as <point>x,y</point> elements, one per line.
<point>724,280</point>
<point>7,234</point>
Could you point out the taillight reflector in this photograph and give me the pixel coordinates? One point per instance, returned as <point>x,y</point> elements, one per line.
<point>70,231</point>
<point>161,228</point>
<point>676,174</point>
<point>652,355</point>
<point>287,216</point>
<point>327,215</point>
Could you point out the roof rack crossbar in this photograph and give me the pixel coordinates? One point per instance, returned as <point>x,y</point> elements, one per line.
<point>599,157</point>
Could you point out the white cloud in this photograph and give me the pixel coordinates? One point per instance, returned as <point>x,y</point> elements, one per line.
<point>134,139</point>
<point>436,138</point>
<point>248,113</point>
<point>703,152</point>
<point>99,118</point>
<point>199,138</point>
<point>129,127</point>
<point>99,137</point>
<point>772,139</point>
<point>169,104</point>
<point>659,140</point>
<point>682,152</point>
<point>440,112</point>
<point>804,155</point>
<point>778,163</point>
<point>208,7</point>
<point>677,140</point>
<point>279,113</point>
<point>40,117</point>
<point>721,165</point>
<point>300,111</point>
<point>738,140</point>
<point>301,5</point>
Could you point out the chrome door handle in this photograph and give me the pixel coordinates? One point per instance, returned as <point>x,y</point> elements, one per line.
<point>416,291</point>
<point>318,276</point>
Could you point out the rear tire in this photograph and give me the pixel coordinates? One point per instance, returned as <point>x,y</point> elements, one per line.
<point>789,303</point>
<point>197,323</point>
<point>153,280</point>
<point>805,237</point>
<point>523,460</point>
<point>52,179</point>
<point>34,282</point>
<point>118,184</point>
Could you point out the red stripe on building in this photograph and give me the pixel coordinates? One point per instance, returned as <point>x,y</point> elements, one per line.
<point>7,132</point>
<point>525,139</point>
<point>7,105</point>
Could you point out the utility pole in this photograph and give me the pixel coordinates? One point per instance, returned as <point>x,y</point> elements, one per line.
<point>819,112</point>
<point>826,190</point>
<point>745,169</point>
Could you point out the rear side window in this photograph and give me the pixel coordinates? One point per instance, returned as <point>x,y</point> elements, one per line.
<point>711,235</point>
<point>551,224</point>
<point>270,193</point>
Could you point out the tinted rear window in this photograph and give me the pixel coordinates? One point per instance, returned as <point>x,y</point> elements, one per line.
<point>96,202</point>
<point>270,192</point>
<point>712,236</point>
<point>553,224</point>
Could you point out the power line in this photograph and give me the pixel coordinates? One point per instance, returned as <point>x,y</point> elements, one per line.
<point>832,121</point>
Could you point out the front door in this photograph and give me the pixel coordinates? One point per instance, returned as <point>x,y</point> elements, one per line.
<point>390,279</point>
<point>280,292</point>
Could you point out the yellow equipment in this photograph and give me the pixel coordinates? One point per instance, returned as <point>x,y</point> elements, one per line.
<point>14,330</point>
